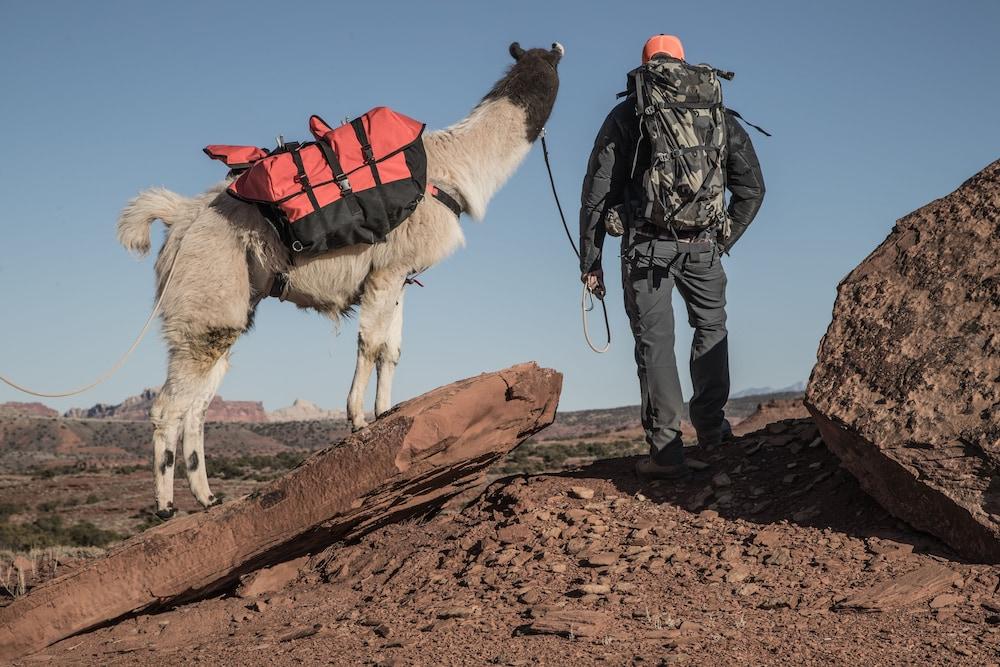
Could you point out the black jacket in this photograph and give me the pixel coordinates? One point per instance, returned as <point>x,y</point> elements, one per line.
<point>608,181</point>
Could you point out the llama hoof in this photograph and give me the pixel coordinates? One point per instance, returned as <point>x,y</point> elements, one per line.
<point>360,426</point>
<point>212,501</point>
<point>166,514</point>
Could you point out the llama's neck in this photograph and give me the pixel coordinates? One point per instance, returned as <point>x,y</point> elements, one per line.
<point>478,154</point>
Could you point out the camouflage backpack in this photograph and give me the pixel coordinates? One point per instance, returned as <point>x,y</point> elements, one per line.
<point>681,114</point>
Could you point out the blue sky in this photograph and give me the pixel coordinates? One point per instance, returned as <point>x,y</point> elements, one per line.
<point>876,109</point>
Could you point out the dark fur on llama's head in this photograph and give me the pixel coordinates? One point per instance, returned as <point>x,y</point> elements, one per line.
<point>531,83</point>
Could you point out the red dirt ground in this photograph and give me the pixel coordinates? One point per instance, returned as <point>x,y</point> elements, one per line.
<point>766,564</point>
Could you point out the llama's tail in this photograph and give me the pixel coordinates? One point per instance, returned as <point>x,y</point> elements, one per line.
<point>138,216</point>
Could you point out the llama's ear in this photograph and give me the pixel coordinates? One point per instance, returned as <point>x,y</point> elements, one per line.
<point>516,51</point>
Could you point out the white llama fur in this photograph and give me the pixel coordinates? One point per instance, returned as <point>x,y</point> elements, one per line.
<point>225,257</point>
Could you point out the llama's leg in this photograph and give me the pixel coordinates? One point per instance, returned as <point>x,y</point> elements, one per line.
<point>378,305</point>
<point>188,373</point>
<point>388,357</point>
<point>194,432</point>
<point>167,416</point>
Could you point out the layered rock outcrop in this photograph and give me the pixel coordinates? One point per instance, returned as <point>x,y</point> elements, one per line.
<point>136,408</point>
<point>424,452</point>
<point>906,390</point>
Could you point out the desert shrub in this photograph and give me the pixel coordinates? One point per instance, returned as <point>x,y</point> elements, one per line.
<point>534,457</point>
<point>57,471</point>
<point>50,531</point>
<point>255,467</point>
<point>10,509</point>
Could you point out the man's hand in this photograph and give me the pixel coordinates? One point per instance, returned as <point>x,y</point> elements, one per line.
<point>595,283</point>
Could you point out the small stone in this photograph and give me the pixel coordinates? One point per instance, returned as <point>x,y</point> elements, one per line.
<point>531,596</point>
<point>722,480</point>
<point>593,589</point>
<point>581,492</point>
<point>456,612</point>
<point>731,553</point>
<point>689,628</point>
<point>602,559</point>
<point>516,534</point>
<point>767,538</point>
<point>946,600</point>
<point>695,464</point>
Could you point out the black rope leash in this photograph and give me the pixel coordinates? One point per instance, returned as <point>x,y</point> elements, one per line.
<point>585,308</point>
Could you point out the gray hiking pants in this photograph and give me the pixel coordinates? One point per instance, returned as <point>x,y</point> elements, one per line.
<point>650,269</point>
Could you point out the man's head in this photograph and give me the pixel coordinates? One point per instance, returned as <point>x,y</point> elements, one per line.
<point>662,44</point>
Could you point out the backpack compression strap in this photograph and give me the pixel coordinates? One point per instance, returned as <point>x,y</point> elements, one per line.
<point>756,127</point>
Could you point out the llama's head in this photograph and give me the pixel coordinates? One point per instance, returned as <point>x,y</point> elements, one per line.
<point>531,83</point>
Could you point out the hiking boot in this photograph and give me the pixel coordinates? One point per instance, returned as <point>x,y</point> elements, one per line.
<point>714,439</point>
<point>647,468</point>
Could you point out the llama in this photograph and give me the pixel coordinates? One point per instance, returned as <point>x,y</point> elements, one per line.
<point>225,258</point>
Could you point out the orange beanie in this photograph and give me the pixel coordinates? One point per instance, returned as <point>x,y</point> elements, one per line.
<point>662,44</point>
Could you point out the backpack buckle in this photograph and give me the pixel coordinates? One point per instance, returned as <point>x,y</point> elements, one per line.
<point>344,184</point>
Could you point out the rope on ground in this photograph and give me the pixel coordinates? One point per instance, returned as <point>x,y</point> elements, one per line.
<point>584,308</point>
<point>118,364</point>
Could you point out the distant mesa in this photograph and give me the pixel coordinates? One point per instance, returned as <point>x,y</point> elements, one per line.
<point>30,409</point>
<point>136,408</point>
<point>302,410</point>
<point>797,388</point>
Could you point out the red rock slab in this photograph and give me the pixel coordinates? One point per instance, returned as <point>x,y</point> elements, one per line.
<point>420,454</point>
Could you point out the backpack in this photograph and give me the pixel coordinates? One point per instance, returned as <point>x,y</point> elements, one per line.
<point>681,114</point>
<point>352,185</point>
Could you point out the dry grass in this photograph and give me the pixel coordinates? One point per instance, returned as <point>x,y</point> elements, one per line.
<point>17,569</point>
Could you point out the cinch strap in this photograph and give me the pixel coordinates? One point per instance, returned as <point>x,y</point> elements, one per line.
<point>447,200</point>
<point>303,179</point>
<point>366,147</point>
<point>338,173</point>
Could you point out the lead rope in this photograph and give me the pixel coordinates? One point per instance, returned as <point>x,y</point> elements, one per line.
<point>584,307</point>
<point>118,364</point>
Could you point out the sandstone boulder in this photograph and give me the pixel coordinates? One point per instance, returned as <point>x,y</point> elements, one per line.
<point>906,390</point>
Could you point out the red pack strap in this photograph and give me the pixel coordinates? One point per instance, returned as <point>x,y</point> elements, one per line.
<point>235,157</point>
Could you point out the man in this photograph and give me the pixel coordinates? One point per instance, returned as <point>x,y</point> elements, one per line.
<point>660,173</point>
